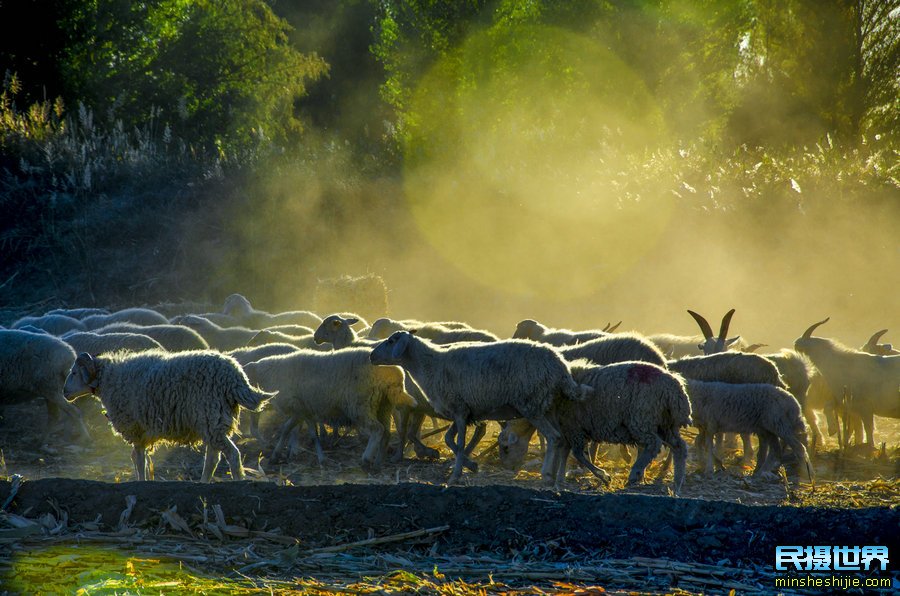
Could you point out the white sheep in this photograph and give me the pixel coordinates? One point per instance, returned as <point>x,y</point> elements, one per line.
<point>138,316</point>
<point>54,324</point>
<point>250,354</point>
<point>769,412</point>
<point>338,331</point>
<point>35,365</point>
<point>621,347</point>
<point>382,328</point>
<point>78,313</point>
<point>183,398</point>
<point>531,329</point>
<point>677,346</point>
<point>239,307</point>
<point>494,381</point>
<point>220,338</point>
<point>96,343</point>
<point>633,403</point>
<point>173,338</point>
<point>871,383</point>
<point>340,388</point>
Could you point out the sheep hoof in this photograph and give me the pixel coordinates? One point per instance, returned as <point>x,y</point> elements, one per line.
<point>423,452</point>
<point>471,466</point>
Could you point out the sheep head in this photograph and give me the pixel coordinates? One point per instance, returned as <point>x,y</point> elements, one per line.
<point>529,329</point>
<point>82,379</point>
<point>711,343</point>
<point>336,330</point>
<point>238,305</point>
<point>873,347</point>
<point>391,350</point>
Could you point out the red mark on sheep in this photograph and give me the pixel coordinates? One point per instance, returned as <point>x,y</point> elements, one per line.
<point>643,373</point>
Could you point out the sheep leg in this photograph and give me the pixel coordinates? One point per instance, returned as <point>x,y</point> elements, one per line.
<point>813,423</point>
<point>313,430</point>
<point>747,447</point>
<point>210,463</point>
<point>799,450</point>
<point>552,435</point>
<point>563,449</point>
<point>371,459</point>
<point>460,424</point>
<point>283,433</point>
<point>253,417</point>
<point>709,448</point>
<point>649,450</point>
<point>678,451</point>
<point>762,454</point>
<point>868,422</point>
<point>580,457</point>
<point>233,456</point>
<point>592,450</point>
<point>402,418</point>
<point>450,438</point>
<point>414,431</point>
<point>137,458</point>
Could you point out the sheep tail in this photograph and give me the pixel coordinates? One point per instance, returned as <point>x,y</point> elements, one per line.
<point>253,399</point>
<point>575,391</point>
<point>679,407</point>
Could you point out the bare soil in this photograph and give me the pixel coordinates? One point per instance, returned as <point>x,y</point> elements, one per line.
<point>728,519</point>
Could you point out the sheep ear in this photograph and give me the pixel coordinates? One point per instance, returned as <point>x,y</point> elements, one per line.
<point>731,341</point>
<point>400,347</point>
<point>87,369</point>
<point>351,321</point>
<point>412,331</point>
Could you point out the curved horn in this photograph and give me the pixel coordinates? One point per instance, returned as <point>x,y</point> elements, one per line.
<point>875,337</point>
<point>754,347</point>
<point>726,322</point>
<point>704,326</point>
<point>614,327</point>
<point>808,333</point>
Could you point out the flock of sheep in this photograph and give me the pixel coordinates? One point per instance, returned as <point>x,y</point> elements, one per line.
<point>185,380</point>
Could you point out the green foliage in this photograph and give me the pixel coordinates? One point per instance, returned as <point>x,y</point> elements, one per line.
<point>217,71</point>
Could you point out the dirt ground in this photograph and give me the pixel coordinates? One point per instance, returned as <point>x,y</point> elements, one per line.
<point>727,521</point>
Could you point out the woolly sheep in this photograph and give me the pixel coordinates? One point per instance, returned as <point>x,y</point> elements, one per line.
<point>78,313</point>
<point>871,383</point>
<point>496,381</point>
<point>174,338</point>
<point>239,307</point>
<point>96,343</point>
<point>339,388</point>
<point>220,338</point>
<point>633,403</point>
<point>730,367</point>
<point>250,354</point>
<point>52,324</point>
<point>621,347</point>
<point>383,327</point>
<point>138,316</point>
<point>181,398</point>
<point>439,334</point>
<point>531,329</point>
<point>266,336</point>
<point>767,411</point>
<point>337,331</point>
<point>677,346</point>
<point>795,369</point>
<point>35,365</point>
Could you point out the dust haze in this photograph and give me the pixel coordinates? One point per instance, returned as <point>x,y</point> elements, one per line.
<point>576,207</point>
